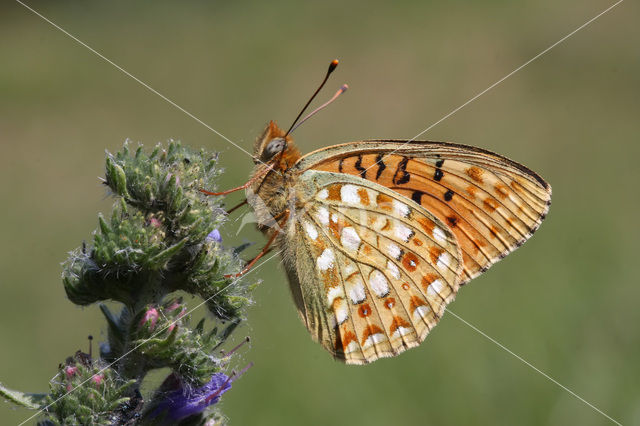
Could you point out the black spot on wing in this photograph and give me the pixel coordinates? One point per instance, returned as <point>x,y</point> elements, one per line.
<point>438,175</point>
<point>417,196</point>
<point>381,166</point>
<point>448,195</point>
<point>362,170</point>
<point>401,175</point>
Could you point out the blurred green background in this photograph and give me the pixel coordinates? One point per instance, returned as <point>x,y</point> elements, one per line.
<point>567,301</point>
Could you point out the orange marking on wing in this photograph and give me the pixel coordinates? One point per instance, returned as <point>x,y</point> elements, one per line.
<point>427,280</point>
<point>477,243</point>
<point>434,254</point>
<point>410,262</point>
<point>501,190</point>
<point>336,303</point>
<point>370,331</point>
<point>387,226</point>
<point>398,322</point>
<point>330,278</point>
<point>389,303</point>
<point>384,201</point>
<point>494,231</point>
<point>343,341</point>
<point>352,275</point>
<point>490,204</point>
<point>426,224</point>
<point>417,242</point>
<point>366,249</point>
<point>472,190</point>
<point>364,196</point>
<point>415,302</point>
<point>405,286</point>
<point>336,227</point>
<point>364,310</point>
<point>319,244</point>
<point>517,186</point>
<point>334,192</point>
<point>475,174</point>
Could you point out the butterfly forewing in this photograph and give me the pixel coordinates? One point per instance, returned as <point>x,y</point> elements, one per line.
<point>373,269</point>
<point>491,204</point>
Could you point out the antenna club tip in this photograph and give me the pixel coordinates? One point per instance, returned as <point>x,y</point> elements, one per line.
<point>333,65</point>
<point>344,87</point>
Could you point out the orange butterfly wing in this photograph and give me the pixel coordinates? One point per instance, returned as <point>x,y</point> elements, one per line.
<point>491,204</point>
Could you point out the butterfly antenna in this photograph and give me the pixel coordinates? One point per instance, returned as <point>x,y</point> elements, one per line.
<point>90,337</point>
<point>332,67</point>
<point>321,107</point>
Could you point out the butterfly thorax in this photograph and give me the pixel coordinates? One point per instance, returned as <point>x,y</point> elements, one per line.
<point>274,154</point>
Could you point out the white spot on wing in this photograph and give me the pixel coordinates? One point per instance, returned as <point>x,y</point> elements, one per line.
<point>393,269</point>
<point>400,208</point>
<point>349,238</point>
<point>379,283</point>
<point>351,347</point>
<point>394,251</point>
<point>421,312</point>
<point>323,215</point>
<point>323,194</point>
<point>333,293</point>
<point>349,194</point>
<point>312,232</point>
<point>401,331</point>
<point>325,260</point>
<point>356,291</point>
<point>402,232</point>
<point>374,338</point>
<point>334,218</point>
<point>434,288</point>
<point>340,310</point>
<point>439,234</point>
<point>443,260</point>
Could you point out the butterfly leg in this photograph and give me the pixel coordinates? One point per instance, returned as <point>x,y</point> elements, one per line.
<point>238,188</point>
<point>267,247</point>
<point>232,209</point>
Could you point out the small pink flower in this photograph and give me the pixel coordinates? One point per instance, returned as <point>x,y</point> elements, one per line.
<point>150,317</point>
<point>97,378</point>
<point>69,387</point>
<point>172,307</point>
<point>155,222</point>
<point>70,371</point>
<point>171,327</point>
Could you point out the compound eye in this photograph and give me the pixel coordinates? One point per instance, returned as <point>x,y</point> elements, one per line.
<point>275,146</point>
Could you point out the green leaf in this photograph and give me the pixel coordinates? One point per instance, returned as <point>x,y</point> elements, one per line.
<point>33,401</point>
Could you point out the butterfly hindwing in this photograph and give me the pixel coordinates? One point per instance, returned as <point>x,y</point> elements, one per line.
<point>490,203</point>
<point>371,270</point>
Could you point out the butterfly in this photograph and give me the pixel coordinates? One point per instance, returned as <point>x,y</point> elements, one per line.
<point>378,236</point>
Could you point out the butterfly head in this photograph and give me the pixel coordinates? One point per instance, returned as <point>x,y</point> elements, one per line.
<point>275,148</point>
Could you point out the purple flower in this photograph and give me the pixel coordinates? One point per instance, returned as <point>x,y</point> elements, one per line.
<point>187,401</point>
<point>214,236</point>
